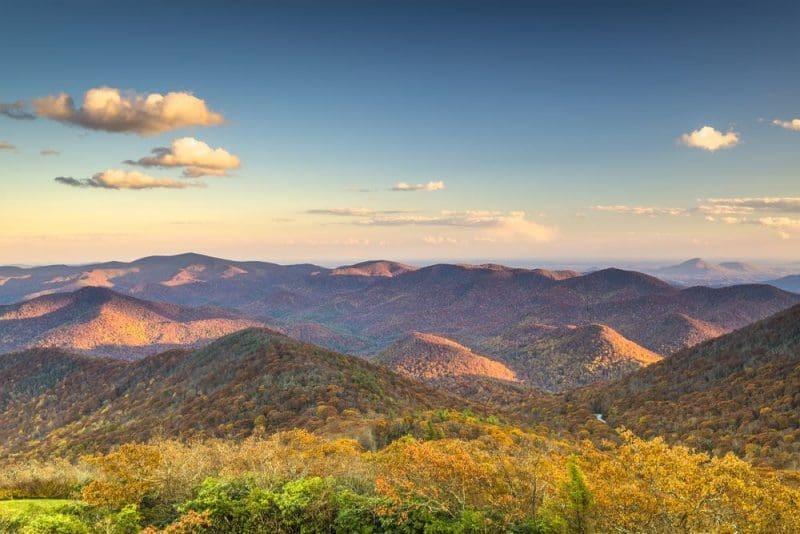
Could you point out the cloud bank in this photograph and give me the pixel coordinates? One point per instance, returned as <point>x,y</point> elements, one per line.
<point>489,225</point>
<point>352,212</point>
<point>111,110</point>
<point>708,138</point>
<point>734,206</point>
<point>197,158</point>
<point>430,186</point>
<point>641,210</point>
<point>118,179</point>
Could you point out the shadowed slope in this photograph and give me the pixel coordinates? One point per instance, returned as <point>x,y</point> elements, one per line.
<point>255,377</point>
<point>740,392</point>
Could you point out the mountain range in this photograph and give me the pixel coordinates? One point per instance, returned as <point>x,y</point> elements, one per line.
<point>737,393</point>
<point>52,401</point>
<point>553,329</point>
<point>698,271</point>
<point>98,321</point>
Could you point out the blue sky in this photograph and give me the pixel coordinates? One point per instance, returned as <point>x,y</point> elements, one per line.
<point>571,112</point>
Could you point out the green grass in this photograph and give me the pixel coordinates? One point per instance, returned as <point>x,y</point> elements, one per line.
<point>30,505</point>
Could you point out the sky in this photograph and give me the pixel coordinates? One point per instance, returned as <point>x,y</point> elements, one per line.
<point>340,131</point>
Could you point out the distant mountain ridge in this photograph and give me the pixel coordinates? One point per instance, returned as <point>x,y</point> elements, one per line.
<point>788,283</point>
<point>363,308</point>
<point>99,321</point>
<point>698,271</point>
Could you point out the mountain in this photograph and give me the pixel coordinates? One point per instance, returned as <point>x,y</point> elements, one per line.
<point>693,268</point>
<point>373,268</point>
<point>564,358</point>
<point>98,321</point>
<point>187,279</point>
<point>788,283</point>
<point>699,271</point>
<point>252,378</point>
<point>431,357</point>
<point>741,267</point>
<point>363,308</point>
<point>739,393</point>
<point>672,332</point>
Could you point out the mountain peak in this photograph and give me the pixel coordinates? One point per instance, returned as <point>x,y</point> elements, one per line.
<point>381,268</point>
<point>101,322</point>
<point>425,356</point>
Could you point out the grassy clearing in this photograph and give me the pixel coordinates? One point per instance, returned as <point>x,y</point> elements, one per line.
<point>32,505</point>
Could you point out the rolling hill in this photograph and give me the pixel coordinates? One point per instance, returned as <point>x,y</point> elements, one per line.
<point>788,283</point>
<point>252,378</point>
<point>98,321</point>
<point>559,359</point>
<point>739,393</point>
<point>428,357</point>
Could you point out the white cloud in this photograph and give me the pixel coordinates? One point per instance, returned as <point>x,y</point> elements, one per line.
<point>352,212</point>
<point>197,157</point>
<point>495,225</point>
<point>118,179</point>
<point>430,186</point>
<point>5,145</point>
<point>641,210</point>
<point>49,152</point>
<point>491,225</point>
<point>708,138</point>
<point>793,124</point>
<point>111,110</point>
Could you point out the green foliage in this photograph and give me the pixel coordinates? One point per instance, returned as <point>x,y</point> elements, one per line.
<point>55,523</point>
<point>126,521</point>
<point>312,504</point>
<point>578,499</point>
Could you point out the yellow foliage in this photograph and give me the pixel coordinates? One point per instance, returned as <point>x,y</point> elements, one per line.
<point>125,475</point>
<point>653,487</point>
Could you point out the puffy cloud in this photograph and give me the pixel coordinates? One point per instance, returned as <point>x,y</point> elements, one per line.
<point>16,110</point>
<point>197,157</point>
<point>641,210</point>
<point>118,179</point>
<point>708,138</point>
<point>49,152</point>
<point>430,186</point>
<point>5,145</point>
<point>111,110</point>
<point>793,124</point>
